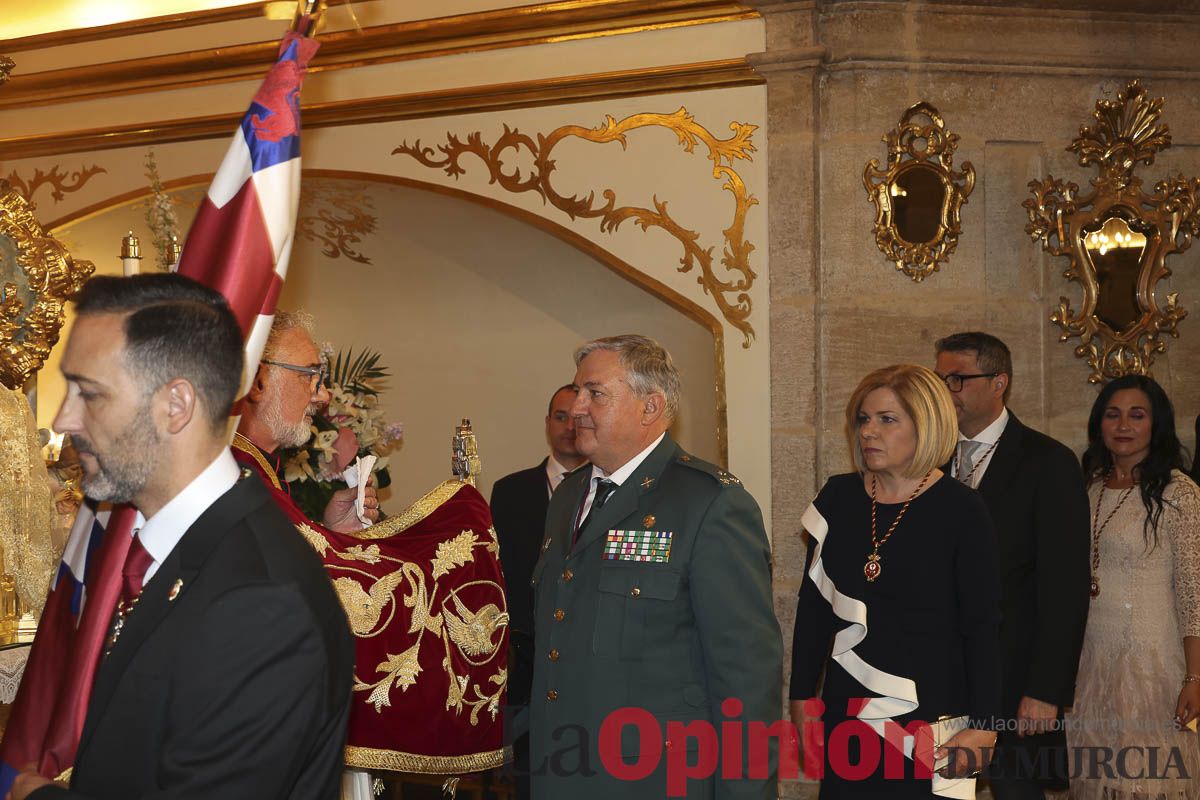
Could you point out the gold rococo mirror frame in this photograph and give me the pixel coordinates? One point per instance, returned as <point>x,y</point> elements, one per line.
<point>1159,224</point>
<point>915,146</point>
<point>37,276</point>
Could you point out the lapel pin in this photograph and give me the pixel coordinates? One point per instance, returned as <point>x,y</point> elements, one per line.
<point>648,520</point>
<point>647,482</point>
<point>171,595</point>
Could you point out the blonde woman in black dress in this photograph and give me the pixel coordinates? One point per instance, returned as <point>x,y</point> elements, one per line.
<point>902,576</point>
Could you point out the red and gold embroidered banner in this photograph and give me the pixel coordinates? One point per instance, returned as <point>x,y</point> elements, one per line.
<point>424,595</point>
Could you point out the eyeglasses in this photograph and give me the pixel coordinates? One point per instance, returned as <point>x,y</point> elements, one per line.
<point>320,373</point>
<point>955,382</point>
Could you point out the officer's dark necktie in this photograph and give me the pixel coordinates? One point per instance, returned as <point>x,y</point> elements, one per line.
<point>604,488</point>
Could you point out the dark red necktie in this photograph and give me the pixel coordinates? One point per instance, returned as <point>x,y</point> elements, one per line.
<point>137,562</point>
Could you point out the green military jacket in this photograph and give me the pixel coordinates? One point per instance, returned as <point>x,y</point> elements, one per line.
<point>675,635</point>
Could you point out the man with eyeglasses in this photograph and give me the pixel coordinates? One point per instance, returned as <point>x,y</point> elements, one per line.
<point>278,410</point>
<point>1035,491</point>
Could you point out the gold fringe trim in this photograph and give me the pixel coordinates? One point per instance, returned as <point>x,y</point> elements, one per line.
<point>251,449</point>
<point>413,514</point>
<point>371,758</point>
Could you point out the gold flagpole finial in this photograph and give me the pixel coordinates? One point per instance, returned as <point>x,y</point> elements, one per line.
<point>308,14</point>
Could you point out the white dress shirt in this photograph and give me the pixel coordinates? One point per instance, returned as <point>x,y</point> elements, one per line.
<point>618,477</point>
<point>988,439</point>
<point>554,473</point>
<point>162,532</point>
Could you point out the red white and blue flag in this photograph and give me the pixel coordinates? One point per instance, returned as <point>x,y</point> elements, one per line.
<point>239,244</point>
<point>241,239</point>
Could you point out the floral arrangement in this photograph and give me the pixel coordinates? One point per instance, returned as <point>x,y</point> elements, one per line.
<point>160,215</point>
<point>351,425</point>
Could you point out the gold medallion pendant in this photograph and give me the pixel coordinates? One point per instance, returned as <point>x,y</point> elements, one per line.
<point>872,568</point>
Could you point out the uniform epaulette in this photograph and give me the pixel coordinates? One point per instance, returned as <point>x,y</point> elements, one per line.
<point>724,476</point>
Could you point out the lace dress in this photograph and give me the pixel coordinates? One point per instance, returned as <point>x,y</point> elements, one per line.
<point>1121,731</point>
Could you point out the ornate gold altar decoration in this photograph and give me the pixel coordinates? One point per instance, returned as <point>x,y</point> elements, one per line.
<point>61,183</point>
<point>1117,237</point>
<point>29,556</point>
<point>37,275</point>
<point>340,226</point>
<point>6,67</point>
<point>731,296</point>
<point>919,196</point>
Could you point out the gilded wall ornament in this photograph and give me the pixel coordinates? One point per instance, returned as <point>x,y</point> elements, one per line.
<point>337,218</point>
<point>731,296</point>
<point>918,198</point>
<point>62,183</point>
<point>37,275</point>
<point>1117,237</point>
<point>6,67</point>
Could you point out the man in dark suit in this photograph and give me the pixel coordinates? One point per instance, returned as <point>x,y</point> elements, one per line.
<point>654,592</point>
<point>519,503</point>
<point>228,669</point>
<point>1035,492</point>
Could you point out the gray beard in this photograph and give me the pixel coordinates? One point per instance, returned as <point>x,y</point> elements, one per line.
<point>285,433</point>
<point>125,469</point>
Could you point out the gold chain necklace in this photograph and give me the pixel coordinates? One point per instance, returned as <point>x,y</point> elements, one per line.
<point>874,567</point>
<point>1096,531</point>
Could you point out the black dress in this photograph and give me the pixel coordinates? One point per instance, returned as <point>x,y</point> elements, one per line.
<point>932,616</point>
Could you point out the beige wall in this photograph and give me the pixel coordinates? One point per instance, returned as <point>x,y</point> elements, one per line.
<point>475,313</point>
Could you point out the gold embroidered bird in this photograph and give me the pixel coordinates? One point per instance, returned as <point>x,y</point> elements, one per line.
<point>472,632</point>
<point>365,607</point>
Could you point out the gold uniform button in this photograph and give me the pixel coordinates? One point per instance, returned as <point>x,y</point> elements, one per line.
<point>568,575</point>
<point>559,614</point>
<point>551,695</point>
<point>553,655</point>
<point>635,591</point>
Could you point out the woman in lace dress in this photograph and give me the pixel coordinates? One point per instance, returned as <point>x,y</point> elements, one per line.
<point>1139,676</point>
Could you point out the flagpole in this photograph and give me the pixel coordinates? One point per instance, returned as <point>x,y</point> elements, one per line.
<point>308,13</point>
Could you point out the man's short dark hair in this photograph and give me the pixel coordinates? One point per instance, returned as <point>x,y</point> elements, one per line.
<point>991,354</point>
<point>175,328</point>
<point>563,388</point>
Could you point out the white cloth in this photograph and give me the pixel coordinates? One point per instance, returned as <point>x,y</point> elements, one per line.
<point>619,476</point>
<point>987,437</point>
<point>12,667</point>
<point>357,785</point>
<point>162,532</point>
<point>358,475</point>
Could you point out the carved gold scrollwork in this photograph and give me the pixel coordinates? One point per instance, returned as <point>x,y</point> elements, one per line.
<point>918,198</point>
<point>37,275</point>
<point>340,226</point>
<point>1117,237</point>
<point>732,295</point>
<point>63,183</point>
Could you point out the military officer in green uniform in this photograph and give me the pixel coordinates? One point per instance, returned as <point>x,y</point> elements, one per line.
<point>653,592</point>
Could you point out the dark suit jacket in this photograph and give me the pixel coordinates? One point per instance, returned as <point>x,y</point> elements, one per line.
<point>1196,455</point>
<point>519,503</point>
<point>675,638</point>
<point>1036,494</point>
<point>238,687</point>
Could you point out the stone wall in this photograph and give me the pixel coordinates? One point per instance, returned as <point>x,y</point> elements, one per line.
<point>1015,81</point>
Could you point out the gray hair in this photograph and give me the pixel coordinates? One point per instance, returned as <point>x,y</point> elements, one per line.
<point>284,321</point>
<point>648,364</point>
